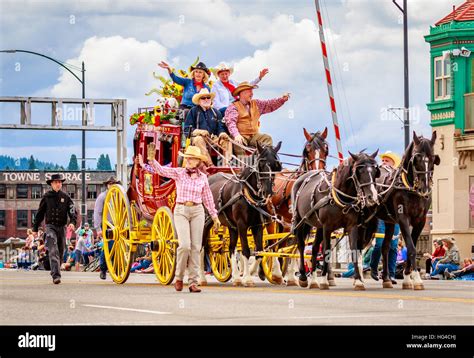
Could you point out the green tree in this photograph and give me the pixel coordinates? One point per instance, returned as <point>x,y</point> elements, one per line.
<point>107,165</point>
<point>31,163</point>
<point>73,163</point>
<point>101,162</point>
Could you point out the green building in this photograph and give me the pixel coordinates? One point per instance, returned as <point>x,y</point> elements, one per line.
<point>451,41</point>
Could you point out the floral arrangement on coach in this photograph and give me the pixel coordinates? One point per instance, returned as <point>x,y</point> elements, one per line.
<point>164,111</point>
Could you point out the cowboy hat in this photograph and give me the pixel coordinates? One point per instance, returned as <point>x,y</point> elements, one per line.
<point>111,180</point>
<point>203,92</point>
<point>391,155</point>
<point>193,152</point>
<point>222,67</point>
<point>55,177</point>
<point>203,67</point>
<point>448,239</point>
<point>241,87</point>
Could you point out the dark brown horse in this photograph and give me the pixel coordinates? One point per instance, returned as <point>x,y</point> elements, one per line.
<point>314,157</point>
<point>406,202</point>
<point>237,198</point>
<point>328,202</point>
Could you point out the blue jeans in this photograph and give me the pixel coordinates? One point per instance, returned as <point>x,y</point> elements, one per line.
<point>222,110</point>
<point>103,263</point>
<point>350,270</point>
<point>142,265</point>
<point>442,267</point>
<point>377,254</point>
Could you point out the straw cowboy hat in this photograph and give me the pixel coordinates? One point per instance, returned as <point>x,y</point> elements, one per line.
<point>111,180</point>
<point>448,239</point>
<point>391,155</point>
<point>200,66</point>
<point>243,86</point>
<point>55,177</point>
<point>222,67</point>
<point>203,92</point>
<point>193,152</point>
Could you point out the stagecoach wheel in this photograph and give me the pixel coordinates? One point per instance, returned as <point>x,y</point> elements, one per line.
<point>164,245</point>
<point>117,229</point>
<point>219,255</point>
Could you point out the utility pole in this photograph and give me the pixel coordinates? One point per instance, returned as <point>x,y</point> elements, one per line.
<point>83,161</point>
<point>406,112</point>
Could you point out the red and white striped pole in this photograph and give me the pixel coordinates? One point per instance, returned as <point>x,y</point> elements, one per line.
<point>329,82</point>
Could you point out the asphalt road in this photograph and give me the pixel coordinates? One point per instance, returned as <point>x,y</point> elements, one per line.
<point>30,298</point>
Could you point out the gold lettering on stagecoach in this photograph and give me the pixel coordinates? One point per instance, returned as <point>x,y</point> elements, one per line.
<point>148,183</point>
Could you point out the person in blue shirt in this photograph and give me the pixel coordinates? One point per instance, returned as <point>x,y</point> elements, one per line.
<point>392,254</point>
<point>205,121</point>
<point>199,77</point>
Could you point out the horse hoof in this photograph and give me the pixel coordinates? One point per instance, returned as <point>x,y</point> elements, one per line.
<point>313,285</point>
<point>407,286</point>
<point>202,283</point>
<point>332,283</point>
<point>291,283</point>
<point>387,284</point>
<point>419,287</point>
<point>277,280</point>
<point>249,284</point>
<point>237,283</point>
<point>324,286</point>
<point>359,288</point>
<point>303,283</point>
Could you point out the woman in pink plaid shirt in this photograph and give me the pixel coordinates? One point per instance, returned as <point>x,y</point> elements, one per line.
<point>192,190</point>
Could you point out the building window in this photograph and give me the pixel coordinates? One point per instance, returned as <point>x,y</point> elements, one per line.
<point>3,191</point>
<point>22,218</point>
<point>442,78</point>
<point>2,217</point>
<point>36,191</point>
<point>33,215</point>
<point>92,191</point>
<point>71,190</point>
<point>22,191</point>
<point>90,217</point>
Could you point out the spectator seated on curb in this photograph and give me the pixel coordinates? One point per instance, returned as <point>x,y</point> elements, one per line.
<point>465,274</point>
<point>144,261</point>
<point>71,259</point>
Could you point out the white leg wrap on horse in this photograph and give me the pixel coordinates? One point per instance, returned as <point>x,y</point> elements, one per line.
<point>417,282</point>
<point>313,281</point>
<point>235,270</point>
<point>290,273</point>
<point>254,267</point>
<point>247,281</point>
<point>324,283</point>
<point>276,269</point>
<point>407,282</point>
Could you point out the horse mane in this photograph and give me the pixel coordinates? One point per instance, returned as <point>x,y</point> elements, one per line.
<point>343,171</point>
<point>407,155</point>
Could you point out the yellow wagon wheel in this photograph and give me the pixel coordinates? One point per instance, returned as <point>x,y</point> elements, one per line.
<point>117,228</point>
<point>219,255</point>
<point>267,261</point>
<point>164,245</point>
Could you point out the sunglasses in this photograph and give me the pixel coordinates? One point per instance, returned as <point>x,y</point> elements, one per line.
<point>206,97</point>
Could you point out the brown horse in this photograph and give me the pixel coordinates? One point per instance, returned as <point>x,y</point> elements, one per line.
<point>406,203</point>
<point>314,157</point>
<point>329,202</point>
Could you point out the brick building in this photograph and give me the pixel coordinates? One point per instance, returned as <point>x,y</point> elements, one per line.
<point>21,192</point>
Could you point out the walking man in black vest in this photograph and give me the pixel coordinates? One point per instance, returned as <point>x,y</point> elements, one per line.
<point>55,208</point>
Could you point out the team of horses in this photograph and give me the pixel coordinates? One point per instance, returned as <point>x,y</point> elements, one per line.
<point>352,197</point>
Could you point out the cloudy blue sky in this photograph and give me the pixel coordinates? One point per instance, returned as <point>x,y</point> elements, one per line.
<point>121,42</point>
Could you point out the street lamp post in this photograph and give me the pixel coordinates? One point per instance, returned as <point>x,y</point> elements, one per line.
<point>83,83</point>
<point>406,112</point>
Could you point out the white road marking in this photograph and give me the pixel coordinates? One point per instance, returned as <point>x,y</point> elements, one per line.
<point>127,309</point>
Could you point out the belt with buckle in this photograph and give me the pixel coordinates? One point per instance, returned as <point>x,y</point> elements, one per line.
<point>189,203</point>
